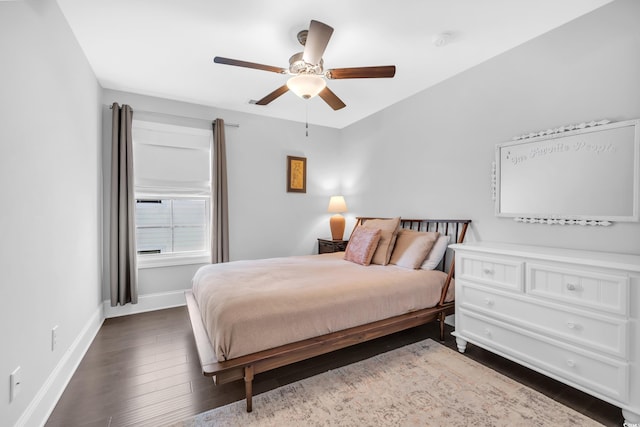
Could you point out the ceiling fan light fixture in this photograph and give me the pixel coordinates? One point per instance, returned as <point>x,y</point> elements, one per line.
<point>306,85</point>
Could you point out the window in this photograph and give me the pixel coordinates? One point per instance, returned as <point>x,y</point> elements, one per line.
<point>167,226</point>
<point>172,168</point>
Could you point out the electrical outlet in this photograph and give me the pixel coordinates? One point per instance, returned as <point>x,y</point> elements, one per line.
<point>54,338</point>
<point>15,383</point>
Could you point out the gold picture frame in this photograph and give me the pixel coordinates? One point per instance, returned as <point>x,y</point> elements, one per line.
<point>296,174</point>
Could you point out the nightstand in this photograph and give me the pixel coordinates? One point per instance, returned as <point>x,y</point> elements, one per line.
<point>327,246</point>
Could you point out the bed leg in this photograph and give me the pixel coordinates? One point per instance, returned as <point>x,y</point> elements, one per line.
<point>441,316</point>
<point>248,386</point>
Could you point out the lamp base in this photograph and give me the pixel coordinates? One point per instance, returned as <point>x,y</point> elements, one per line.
<point>337,226</point>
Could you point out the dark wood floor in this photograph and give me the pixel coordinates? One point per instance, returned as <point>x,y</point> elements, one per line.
<point>143,370</point>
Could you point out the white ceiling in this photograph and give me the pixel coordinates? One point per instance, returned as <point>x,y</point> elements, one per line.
<point>165,48</point>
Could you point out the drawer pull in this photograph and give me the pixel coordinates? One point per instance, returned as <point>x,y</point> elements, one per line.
<point>572,287</point>
<point>488,271</point>
<point>487,332</point>
<point>571,325</point>
<point>489,302</point>
<point>571,363</point>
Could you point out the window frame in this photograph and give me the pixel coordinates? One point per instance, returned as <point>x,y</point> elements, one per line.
<point>155,260</point>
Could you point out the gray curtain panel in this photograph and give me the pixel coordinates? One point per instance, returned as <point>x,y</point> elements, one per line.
<point>219,203</point>
<point>122,234</point>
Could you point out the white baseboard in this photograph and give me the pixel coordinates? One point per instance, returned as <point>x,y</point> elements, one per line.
<point>450,320</point>
<point>47,397</point>
<point>148,302</point>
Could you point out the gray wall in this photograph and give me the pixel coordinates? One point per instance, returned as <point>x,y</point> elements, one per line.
<point>431,155</point>
<point>50,192</point>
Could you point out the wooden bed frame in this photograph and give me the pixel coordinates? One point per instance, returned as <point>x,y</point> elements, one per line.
<point>245,367</point>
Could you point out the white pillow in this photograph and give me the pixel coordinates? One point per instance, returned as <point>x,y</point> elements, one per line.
<point>437,252</point>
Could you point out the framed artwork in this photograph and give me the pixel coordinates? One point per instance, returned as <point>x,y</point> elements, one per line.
<point>296,174</point>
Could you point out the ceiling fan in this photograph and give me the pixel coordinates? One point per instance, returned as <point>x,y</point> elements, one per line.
<point>307,69</point>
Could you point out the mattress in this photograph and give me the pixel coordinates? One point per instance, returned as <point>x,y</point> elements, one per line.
<point>254,305</point>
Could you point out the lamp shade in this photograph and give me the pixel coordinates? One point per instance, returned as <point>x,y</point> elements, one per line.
<point>306,85</point>
<point>337,204</point>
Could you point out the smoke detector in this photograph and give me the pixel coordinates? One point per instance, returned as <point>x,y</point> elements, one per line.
<point>442,39</point>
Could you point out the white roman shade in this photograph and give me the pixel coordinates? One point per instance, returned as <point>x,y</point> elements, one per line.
<point>171,160</point>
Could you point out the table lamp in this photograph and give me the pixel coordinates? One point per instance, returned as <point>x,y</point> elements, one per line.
<point>337,205</point>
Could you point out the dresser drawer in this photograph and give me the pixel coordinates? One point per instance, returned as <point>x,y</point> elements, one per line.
<point>582,368</point>
<point>602,291</point>
<point>597,332</point>
<point>495,272</point>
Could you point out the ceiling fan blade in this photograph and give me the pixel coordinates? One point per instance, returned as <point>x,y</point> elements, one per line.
<point>317,40</point>
<point>273,95</point>
<point>238,63</point>
<point>331,98</point>
<point>362,72</point>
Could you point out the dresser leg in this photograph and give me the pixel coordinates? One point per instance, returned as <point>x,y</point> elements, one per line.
<point>462,344</point>
<point>631,419</point>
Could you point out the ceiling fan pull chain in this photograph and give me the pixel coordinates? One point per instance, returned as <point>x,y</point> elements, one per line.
<point>306,120</point>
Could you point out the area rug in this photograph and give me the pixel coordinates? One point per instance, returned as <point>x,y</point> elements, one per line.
<point>423,384</point>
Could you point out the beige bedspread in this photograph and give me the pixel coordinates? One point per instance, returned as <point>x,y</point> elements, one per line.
<point>249,306</point>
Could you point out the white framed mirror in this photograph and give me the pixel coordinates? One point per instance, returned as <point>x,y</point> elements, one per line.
<point>589,174</point>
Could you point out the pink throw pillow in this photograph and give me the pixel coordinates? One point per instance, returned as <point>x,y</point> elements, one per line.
<point>362,245</point>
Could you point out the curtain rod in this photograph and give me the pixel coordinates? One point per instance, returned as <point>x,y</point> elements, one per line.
<point>233,125</point>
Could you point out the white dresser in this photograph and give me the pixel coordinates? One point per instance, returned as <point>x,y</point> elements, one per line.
<point>571,315</point>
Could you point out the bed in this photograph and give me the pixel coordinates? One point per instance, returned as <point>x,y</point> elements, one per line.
<point>252,316</point>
